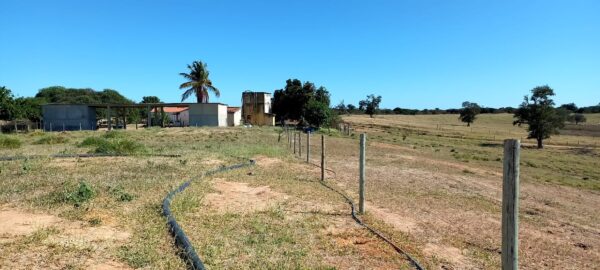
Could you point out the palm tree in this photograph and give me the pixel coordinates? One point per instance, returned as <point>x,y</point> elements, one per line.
<point>198,83</point>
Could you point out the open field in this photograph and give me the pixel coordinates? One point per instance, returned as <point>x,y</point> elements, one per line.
<point>434,191</point>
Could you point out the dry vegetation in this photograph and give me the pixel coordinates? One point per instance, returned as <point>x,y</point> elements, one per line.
<point>433,187</point>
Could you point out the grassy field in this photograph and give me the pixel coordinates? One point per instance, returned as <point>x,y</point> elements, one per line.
<point>433,187</point>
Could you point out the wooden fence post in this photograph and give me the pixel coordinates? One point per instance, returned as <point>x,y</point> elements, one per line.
<point>322,157</point>
<point>361,180</point>
<point>308,147</point>
<point>299,144</point>
<point>510,205</point>
<point>294,139</point>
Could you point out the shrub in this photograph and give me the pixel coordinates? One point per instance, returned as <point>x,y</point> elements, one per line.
<point>82,194</point>
<point>115,146</point>
<point>120,147</point>
<point>92,141</point>
<point>52,139</point>
<point>9,143</point>
<point>114,135</point>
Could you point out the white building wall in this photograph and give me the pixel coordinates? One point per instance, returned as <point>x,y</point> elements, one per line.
<point>208,114</point>
<point>234,118</point>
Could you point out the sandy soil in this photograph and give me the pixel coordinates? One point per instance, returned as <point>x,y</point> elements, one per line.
<point>456,216</point>
<point>16,224</point>
<point>241,198</point>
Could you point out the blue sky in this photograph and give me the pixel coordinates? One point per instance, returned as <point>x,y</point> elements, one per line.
<point>416,54</point>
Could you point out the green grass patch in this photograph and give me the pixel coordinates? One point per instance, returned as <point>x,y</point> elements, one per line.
<point>116,146</point>
<point>7,142</point>
<point>51,139</point>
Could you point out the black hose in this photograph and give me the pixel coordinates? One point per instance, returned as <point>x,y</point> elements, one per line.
<point>188,253</point>
<point>10,158</point>
<point>414,262</point>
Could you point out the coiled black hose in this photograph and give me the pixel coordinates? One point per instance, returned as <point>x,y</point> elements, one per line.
<point>188,253</point>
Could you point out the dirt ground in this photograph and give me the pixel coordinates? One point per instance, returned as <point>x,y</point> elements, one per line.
<point>51,232</point>
<point>452,210</point>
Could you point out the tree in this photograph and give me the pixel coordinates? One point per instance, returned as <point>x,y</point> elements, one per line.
<point>198,83</point>
<point>469,112</point>
<point>292,102</point>
<point>577,118</point>
<point>317,113</point>
<point>6,103</point>
<point>539,114</point>
<point>150,99</point>
<point>370,105</point>
<point>341,108</point>
<point>351,108</point>
<point>569,106</point>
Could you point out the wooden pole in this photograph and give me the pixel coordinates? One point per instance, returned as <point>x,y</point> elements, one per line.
<point>149,117</point>
<point>308,147</point>
<point>294,139</point>
<point>361,180</point>
<point>299,144</point>
<point>322,157</point>
<point>108,117</point>
<point>510,205</point>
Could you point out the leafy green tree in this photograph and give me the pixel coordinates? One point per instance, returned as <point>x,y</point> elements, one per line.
<point>351,108</point>
<point>370,105</point>
<point>6,103</point>
<point>28,108</point>
<point>577,118</point>
<point>539,114</point>
<point>292,101</point>
<point>317,113</point>
<point>150,99</point>
<point>341,108</point>
<point>569,106</point>
<point>198,83</point>
<point>469,112</point>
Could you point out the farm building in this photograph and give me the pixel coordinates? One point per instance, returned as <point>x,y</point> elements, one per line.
<point>59,117</point>
<point>234,116</point>
<point>178,116</point>
<point>256,108</point>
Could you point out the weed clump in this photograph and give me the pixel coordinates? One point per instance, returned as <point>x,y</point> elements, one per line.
<point>114,146</point>
<point>114,135</point>
<point>84,193</point>
<point>52,139</point>
<point>120,194</point>
<point>9,143</point>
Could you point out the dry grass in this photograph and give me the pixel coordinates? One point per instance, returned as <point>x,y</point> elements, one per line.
<point>434,191</point>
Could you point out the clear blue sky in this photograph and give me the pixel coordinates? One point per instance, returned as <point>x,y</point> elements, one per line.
<point>415,53</point>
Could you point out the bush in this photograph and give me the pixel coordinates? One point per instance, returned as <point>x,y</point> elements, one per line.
<point>84,193</point>
<point>92,141</point>
<point>113,146</point>
<point>114,135</point>
<point>120,147</point>
<point>52,139</point>
<point>9,143</point>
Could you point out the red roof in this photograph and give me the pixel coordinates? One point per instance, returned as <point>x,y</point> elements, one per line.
<point>232,109</point>
<point>171,109</point>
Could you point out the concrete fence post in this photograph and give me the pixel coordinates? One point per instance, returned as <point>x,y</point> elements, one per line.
<point>50,126</point>
<point>294,139</point>
<point>510,205</point>
<point>322,157</point>
<point>308,147</point>
<point>80,129</point>
<point>361,180</point>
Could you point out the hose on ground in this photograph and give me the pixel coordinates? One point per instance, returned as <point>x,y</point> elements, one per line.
<point>377,233</point>
<point>91,155</point>
<point>188,253</point>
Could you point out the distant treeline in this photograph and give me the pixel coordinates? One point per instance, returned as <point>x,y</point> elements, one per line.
<point>351,109</point>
